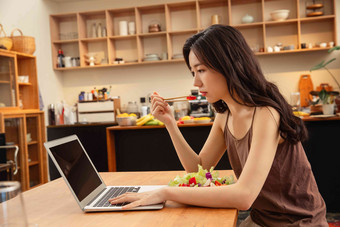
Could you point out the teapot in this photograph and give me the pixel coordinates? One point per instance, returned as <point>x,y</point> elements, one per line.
<point>247,19</point>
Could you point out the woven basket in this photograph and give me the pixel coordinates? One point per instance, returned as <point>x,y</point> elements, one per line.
<point>23,44</point>
<point>5,41</point>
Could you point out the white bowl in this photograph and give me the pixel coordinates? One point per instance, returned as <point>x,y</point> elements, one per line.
<point>126,121</point>
<point>280,15</point>
<point>189,121</point>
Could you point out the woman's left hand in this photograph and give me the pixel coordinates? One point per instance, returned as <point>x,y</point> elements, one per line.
<point>139,199</point>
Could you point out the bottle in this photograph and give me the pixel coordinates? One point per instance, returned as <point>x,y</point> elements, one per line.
<point>99,30</point>
<point>51,115</point>
<point>104,32</point>
<point>94,30</point>
<point>60,62</point>
<point>144,108</point>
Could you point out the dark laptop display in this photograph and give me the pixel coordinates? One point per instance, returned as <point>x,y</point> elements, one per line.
<point>79,172</point>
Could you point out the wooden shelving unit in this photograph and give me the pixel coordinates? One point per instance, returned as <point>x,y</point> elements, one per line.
<point>20,117</point>
<point>72,32</point>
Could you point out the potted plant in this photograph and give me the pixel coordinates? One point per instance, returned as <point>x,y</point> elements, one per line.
<point>327,97</point>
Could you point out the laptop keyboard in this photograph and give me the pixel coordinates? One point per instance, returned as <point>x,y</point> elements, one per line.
<point>114,192</point>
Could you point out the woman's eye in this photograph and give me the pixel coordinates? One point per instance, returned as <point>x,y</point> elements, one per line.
<point>200,70</point>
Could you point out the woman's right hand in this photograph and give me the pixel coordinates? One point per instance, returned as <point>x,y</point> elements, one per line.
<point>161,109</point>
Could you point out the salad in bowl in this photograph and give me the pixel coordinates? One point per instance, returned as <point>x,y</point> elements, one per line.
<point>202,178</point>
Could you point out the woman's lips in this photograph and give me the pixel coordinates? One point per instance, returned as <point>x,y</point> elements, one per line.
<point>203,93</point>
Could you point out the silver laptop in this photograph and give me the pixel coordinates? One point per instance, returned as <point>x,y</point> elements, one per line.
<point>86,185</point>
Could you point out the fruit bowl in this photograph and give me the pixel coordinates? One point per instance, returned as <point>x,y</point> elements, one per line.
<point>280,15</point>
<point>126,119</point>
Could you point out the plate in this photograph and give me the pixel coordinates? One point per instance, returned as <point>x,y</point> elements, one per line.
<point>189,121</point>
<point>202,121</point>
<point>322,115</point>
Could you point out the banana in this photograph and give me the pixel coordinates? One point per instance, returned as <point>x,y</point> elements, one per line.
<point>146,119</point>
<point>141,118</point>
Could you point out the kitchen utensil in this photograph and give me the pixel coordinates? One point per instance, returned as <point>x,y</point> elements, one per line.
<point>123,27</point>
<point>215,19</point>
<point>305,87</point>
<point>67,61</point>
<point>295,101</point>
<point>180,98</point>
<point>280,15</point>
<point>314,8</point>
<point>247,19</point>
<point>126,121</point>
<point>132,28</point>
<point>154,27</point>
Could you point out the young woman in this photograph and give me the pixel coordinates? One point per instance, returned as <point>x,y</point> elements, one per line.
<point>256,126</point>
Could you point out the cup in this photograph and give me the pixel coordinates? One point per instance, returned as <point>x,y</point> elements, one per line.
<point>12,210</point>
<point>215,19</point>
<point>67,61</point>
<point>295,101</point>
<point>132,28</point>
<point>164,56</point>
<point>123,27</point>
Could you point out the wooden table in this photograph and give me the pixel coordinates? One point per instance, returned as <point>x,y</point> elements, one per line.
<point>52,204</point>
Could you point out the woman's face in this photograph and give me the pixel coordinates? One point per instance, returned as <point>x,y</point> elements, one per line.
<point>210,83</point>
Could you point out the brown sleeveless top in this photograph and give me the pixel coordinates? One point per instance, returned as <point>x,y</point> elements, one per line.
<point>290,196</point>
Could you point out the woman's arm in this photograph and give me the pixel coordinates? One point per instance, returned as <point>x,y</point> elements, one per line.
<point>212,150</point>
<point>240,195</point>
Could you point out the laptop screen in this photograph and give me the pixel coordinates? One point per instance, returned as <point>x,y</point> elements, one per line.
<point>76,166</point>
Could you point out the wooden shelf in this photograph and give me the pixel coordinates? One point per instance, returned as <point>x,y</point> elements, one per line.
<point>17,121</point>
<point>25,84</point>
<point>33,163</point>
<point>263,32</point>
<point>32,142</point>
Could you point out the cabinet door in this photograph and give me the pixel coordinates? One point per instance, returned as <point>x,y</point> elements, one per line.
<point>34,150</point>
<point>14,127</point>
<point>8,87</point>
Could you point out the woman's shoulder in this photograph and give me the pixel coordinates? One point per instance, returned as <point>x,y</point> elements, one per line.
<point>220,120</point>
<point>264,113</point>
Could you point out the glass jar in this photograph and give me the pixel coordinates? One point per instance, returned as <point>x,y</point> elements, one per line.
<point>132,107</point>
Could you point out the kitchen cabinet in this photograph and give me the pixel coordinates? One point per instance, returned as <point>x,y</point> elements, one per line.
<point>73,32</point>
<point>15,93</point>
<point>25,129</point>
<point>20,117</point>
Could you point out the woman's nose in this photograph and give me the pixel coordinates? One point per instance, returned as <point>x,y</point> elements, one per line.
<point>197,81</point>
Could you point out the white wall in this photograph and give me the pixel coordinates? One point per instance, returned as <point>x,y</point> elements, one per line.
<point>132,82</point>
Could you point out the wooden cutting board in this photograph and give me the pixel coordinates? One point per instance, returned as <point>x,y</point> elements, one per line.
<point>305,86</point>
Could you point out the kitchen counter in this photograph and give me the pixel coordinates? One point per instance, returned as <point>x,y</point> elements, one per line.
<point>149,148</point>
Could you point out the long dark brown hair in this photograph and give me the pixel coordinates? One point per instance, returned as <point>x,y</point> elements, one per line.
<point>224,49</point>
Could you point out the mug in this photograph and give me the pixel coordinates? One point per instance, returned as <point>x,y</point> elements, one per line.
<point>67,61</point>
<point>215,19</point>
